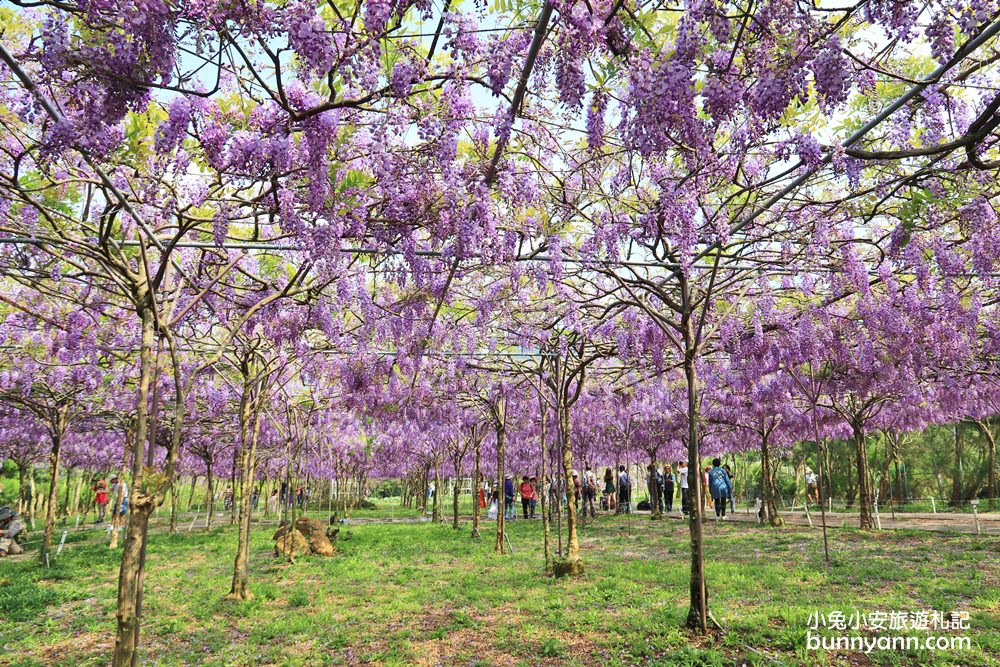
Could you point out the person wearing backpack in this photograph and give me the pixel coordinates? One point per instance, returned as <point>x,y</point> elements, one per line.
<point>720,487</point>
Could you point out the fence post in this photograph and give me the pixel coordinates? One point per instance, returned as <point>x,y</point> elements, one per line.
<point>878,519</point>
<point>975,514</point>
<point>933,506</point>
<point>62,541</point>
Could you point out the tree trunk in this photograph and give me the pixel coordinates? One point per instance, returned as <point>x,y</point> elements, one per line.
<point>50,510</point>
<point>768,504</point>
<point>66,495</point>
<point>500,427</point>
<point>174,488</point>
<point>866,519</point>
<point>240,589</point>
<point>138,516</point>
<point>565,441</point>
<point>24,492</point>
<point>655,493</point>
<point>194,485</point>
<point>476,510</point>
<point>456,489</point>
<point>991,461</point>
<point>77,489</point>
<point>697,618</point>
<point>436,500</point>
<point>209,495</point>
<point>546,518</point>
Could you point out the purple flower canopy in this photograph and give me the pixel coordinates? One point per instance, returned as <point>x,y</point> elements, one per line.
<point>376,240</point>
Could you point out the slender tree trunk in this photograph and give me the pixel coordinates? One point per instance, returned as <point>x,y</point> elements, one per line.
<point>476,510</point>
<point>139,510</point>
<point>697,618</point>
<point>572,539</point>
<point>24,492</point>
<point>436,500</point>
<point>174,502</point>
<point>75,504</point>
<point>194,485</point>
<point>50,510</point>
<point>991,461</point>
<point>66,495</point>
<point>209,495</point>
<point>768,501</point>
<point>544,494</point>
<point>501,433</point>
<point>240,589</point>
<point>232,485</point>
<point>866,519</point>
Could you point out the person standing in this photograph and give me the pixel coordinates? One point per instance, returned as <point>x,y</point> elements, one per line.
<point>682,473</point>
<point>812,486</point>
<point>526,491</point>
<point>533,505</point>
<point>589,491</point>
<point>117,485</point>
<point>482,493</point>
<point>624,491</point>
<point>609,489</point>
<point>668,488</point>
<point>271,507</point>
<point>508,498</point>
<point>720,487</point>
<point>101,500</point>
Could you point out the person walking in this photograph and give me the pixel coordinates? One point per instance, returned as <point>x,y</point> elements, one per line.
<point>668,488</point>
<point>526,490</point>
<point>101,500</point>
<point>720,487</point>
<point>682,475</point>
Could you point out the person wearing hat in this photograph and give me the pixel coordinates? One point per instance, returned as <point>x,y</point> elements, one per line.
<point>101,500</point>
<point>115,485</point>
<point>508,498</point>
<point>10,527</point>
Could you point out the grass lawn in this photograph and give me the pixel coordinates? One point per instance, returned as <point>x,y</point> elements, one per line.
<point>422,594</point>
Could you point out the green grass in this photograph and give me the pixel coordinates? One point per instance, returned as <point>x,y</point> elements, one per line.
<point>416,593</point>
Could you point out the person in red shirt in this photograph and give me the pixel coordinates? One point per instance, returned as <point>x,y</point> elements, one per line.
<point>101,500</point>
<point>527,490</point>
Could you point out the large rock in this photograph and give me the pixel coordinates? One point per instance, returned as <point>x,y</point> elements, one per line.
<point>291,545</point>
<point>320,545</point>
<point>308,526</point>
